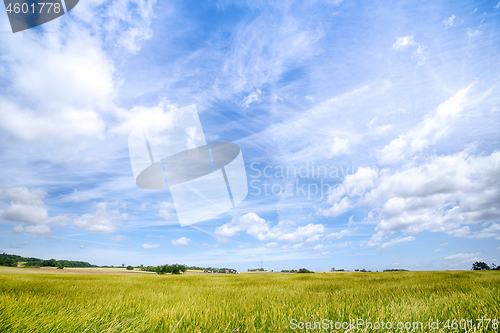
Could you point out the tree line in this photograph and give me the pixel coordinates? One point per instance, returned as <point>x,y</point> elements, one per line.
<point>482,266</point>
<point>13,260</point>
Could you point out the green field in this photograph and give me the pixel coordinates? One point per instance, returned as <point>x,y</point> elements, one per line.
<point>70,302</point>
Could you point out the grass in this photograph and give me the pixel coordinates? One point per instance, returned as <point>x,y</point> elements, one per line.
<point>66,302</point>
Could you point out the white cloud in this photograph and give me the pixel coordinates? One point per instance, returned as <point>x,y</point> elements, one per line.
<point>438,250</point>
<point>62,85</point>
<point>27,206</point>
<point>167,210</point>
<point>258,57</point>
<point>325,253</point>
<point>59,221</point>
<point>492,231</point>
<point>183,241</point>
<point>310,232</point>
<point>340,196</point>
<point>339,235</point>
<point>443,195</point>
<point>259,228</point>
<point>294,247</point>
<point>318,247</point>
<point>434,127</point>
<point>337,208</point>
<point>422,51</point>
<point>151,246</point>
<point>474,33</point>
<point>272,244</point>
<point>118,238</point>
<point>497,6</point>
<point>252,97</point>
<point>342,245</point>
<point>449,21</point>
<point>402,42</point>
<point>103,220</point>
<point>310,98</point>
<point>463,256</point>
<point>76,197</point>
<point>35,230</point>
<point>339,146</point>
<point>397,240</point>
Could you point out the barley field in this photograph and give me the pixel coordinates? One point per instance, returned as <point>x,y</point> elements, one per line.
<point>40,301</point>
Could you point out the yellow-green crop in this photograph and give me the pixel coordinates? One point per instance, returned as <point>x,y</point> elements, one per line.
<point>245,303</point>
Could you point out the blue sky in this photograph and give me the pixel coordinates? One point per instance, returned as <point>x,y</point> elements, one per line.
<point>392,109</point>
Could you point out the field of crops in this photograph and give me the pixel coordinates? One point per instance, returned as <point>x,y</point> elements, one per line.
<point>68,302</point>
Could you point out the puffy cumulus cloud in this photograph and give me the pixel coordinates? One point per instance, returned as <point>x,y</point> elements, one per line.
<point>435,126</point>
<point>60,87</point>
<point>27,206</point>
<point>61,83</point>
<point>339,146</point>
<point>397,240</point>
<point>441,195</point>
<point>254,225</point>
<point>151,246</point>
<point>338,208</point>
<point>340,198</point>
<point>76,197</point>
<point>157,117</point>
<point>167,210</point>
<point>183,241</point>
<point>492,231</point>
<point>35,230</point>
<point>29,214</point>
<point>446,194</point>
<point>104,220</point>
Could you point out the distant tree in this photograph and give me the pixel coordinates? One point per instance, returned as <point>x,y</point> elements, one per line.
<point>60,266</point>
<point>8,262</point>
<point>303,270</point>
<point>123,265</point>
<point>480,266</point>
<point>333,269</point>
<point>130,268</point>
